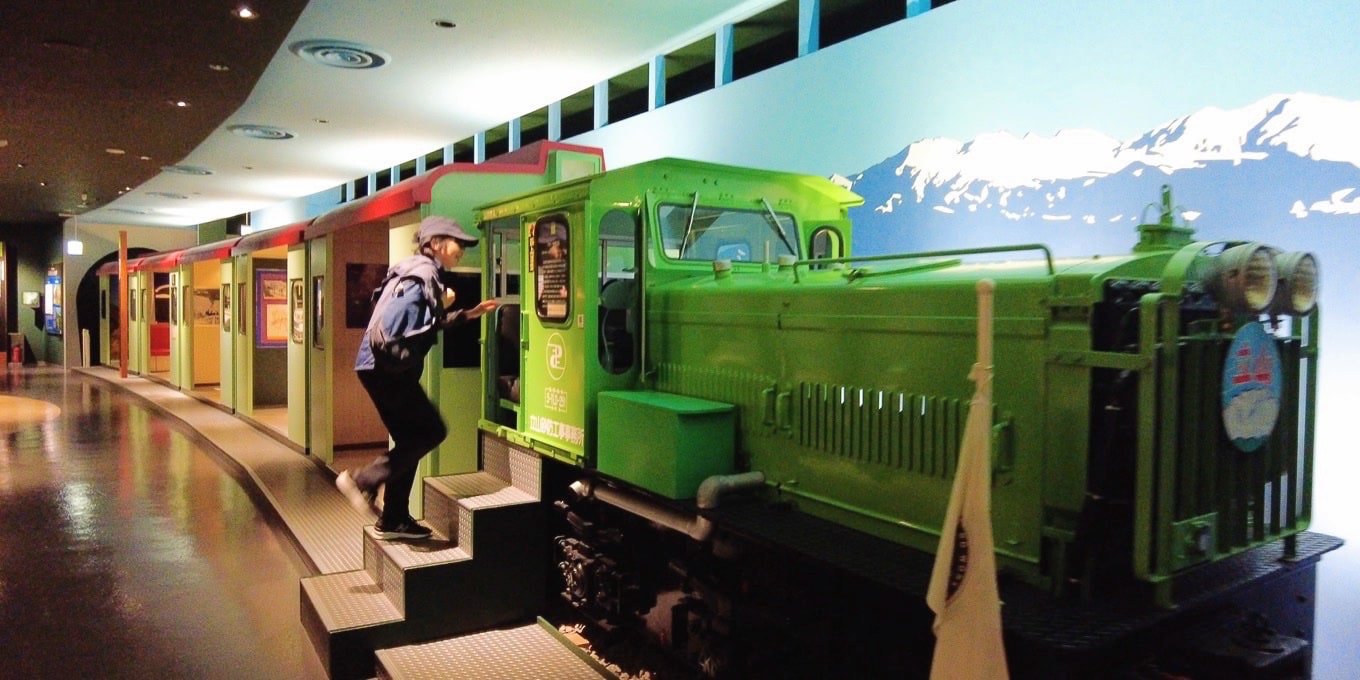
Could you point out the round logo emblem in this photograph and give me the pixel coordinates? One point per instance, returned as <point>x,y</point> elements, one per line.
<point>557,356</point>
<point>1251,388</point>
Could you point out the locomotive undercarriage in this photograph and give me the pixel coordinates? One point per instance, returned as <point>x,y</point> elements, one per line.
<point>731,606</point>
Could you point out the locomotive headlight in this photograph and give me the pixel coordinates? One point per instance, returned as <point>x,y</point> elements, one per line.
<point>1245,277</point>
<point>1298,282</point>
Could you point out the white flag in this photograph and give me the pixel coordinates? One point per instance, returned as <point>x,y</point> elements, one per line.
<point>962,589</point>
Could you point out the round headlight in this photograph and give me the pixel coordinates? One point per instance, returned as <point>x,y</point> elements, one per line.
<point>1298,282</point>
<point>1245,278</point>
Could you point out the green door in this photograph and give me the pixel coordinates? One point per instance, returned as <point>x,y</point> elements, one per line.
<point>552,392</point>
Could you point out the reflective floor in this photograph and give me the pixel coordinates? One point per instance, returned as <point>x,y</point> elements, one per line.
<point>127,551</point>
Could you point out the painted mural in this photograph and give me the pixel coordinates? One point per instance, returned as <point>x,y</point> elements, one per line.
<point>1286,168</point>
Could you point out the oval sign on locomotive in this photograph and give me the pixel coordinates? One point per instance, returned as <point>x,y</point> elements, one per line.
<point>1251,388</point>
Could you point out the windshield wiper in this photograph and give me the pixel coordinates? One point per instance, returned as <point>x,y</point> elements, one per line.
<point>778,228</point>
<point>689,227</point>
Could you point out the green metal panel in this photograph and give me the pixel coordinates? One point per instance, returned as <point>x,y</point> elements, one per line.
<point>665,443</point>
<point>320,366</point>
<point>183,350</point>
<point>298,403</point>
<point>243,330</point>
<point>137,324</point>
<point>552,389</point>
<point>106,305</point>
<point>227,333</point>
<point>179,333</point>
<point>460,395</point>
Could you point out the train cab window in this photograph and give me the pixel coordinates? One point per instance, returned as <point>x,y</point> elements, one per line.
<point>826,244</point>
<point>505,253</point>
<point>697,232</point>
<point>549,248</point>
<point>618,290</point>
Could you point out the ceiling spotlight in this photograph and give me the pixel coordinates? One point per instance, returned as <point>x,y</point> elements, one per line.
<point>244,12</point>
<point>114,152</point>
<point>4,143</point>
<point>144,158</point>
<point>180,103</point>
<point>219,67</point>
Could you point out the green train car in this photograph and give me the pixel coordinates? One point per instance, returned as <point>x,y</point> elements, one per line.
<point>685,338</point>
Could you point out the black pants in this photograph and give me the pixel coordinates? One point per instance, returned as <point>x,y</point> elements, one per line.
<point>416,428</point>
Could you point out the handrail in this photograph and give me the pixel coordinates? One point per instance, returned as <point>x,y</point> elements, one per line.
<point>1048,255</point>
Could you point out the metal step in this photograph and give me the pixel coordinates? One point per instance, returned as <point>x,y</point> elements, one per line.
<point>529,652</point>
<point>480,568</point>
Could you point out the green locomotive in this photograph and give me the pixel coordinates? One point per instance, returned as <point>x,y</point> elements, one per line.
<point>683,336</point>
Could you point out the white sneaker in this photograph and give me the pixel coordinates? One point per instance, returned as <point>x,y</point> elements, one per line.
<point>362,500</point>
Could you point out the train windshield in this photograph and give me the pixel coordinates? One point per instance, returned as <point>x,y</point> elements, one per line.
<point>697,232</point>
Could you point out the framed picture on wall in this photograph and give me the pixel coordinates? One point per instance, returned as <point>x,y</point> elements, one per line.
<point>318,312</point>
<point>299,316</point>
<point>271,309</point>
<point>208,306</point>
<point>226,307</point>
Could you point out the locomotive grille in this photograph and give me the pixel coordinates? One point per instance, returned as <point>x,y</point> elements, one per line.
<point>900,430</point>
<point>1255,496</point>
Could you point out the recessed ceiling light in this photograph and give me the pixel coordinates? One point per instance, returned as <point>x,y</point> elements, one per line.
<point>144,158</point>
<point>219,67</point>
<point>244,12</point>
<point>42,184</point>
<point>114,152</point>
<point>4,143</point>
<point>179,103</point>
<point>445,23</point>
<point>261,132</point>
<point>339,54</point>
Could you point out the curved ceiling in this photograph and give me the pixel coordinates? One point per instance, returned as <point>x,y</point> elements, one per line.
<point>301,98</point>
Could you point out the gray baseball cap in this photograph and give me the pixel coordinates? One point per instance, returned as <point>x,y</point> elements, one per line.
<point>438,225</point>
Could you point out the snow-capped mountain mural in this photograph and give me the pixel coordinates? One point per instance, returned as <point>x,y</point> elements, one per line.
<point>1284,161</point>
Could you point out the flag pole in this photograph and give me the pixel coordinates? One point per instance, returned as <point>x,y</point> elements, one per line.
<point>963,591</point>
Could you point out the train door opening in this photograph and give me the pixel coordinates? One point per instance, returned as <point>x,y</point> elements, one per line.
<point>204,307</point>
<point>262,309</point>
<point>503,264</point>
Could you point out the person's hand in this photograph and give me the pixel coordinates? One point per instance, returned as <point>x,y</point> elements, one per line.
<point>482,308</point>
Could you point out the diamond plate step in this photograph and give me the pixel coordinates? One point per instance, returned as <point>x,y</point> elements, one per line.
<point>480,568</point>
<point>529,652</point>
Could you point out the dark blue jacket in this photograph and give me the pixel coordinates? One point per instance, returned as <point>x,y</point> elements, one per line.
<point>407,314</point>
